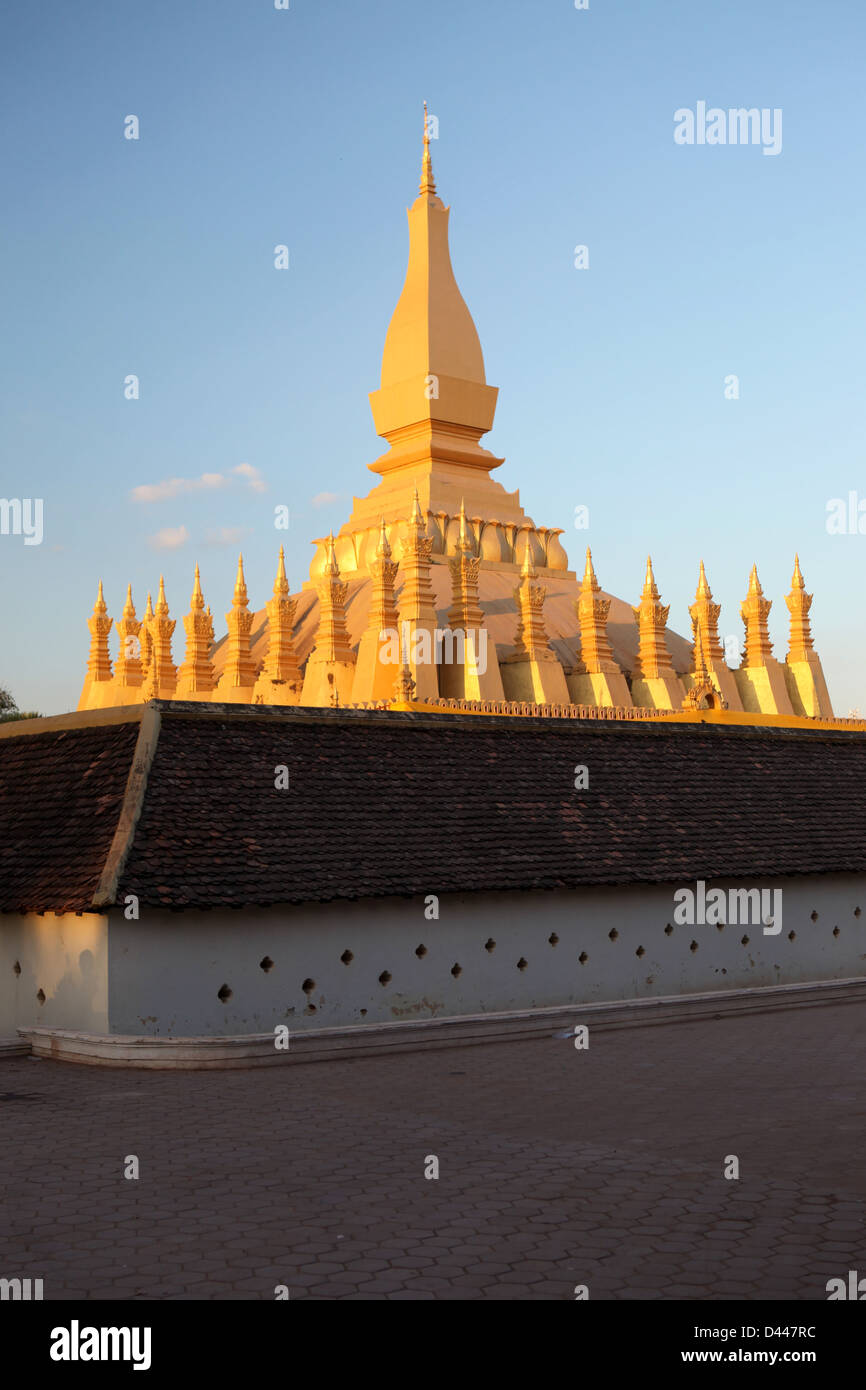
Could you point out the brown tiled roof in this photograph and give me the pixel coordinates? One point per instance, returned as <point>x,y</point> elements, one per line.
<point>60,800</point>
<point>402,804</point>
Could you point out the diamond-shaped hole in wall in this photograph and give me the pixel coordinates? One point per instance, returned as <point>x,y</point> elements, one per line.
<point>744,941</point>
<point>640,952</point>
<point>17,967</point>
<point>522,964</point>
<point>385,977</point>
<point>421,951</point>
<point>308,986</point>
<point>490,944</point>
<point>266,964</point>
<point>813,915</point>
<point>553,939</point>
<point>835,931</point>
<point>456,970</point>
<point>346,957</point>
<point>613,934</point>
<point>693,947</point>
<point>224,994</point>
<point>669,931</point>
<point>583,958</point>
<point>40,995</point>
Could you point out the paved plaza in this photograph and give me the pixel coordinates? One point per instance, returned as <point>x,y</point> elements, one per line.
<point>557,1167</point>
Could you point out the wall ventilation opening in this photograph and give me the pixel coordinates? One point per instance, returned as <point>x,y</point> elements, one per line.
<point>744,941</point>
<point>224,993</point>
<point>385,977</point>
<point>17,967</point>
<point>693,947</point>
<point>835,931</point>
<point>553,939</point>
<point>669,931</point>
<point>41,996</point>
<point>792,936</point>
<point>363,1013</point>
<point>814,916</point>
<point>346,957</point>
<point>640,952</point>
<point>421,951</point>
<point>613,934</point>
<point>308,986</point>
<point>456,970</point>
<point>490,944</point>
<point>522,964</point>
<point>583,958</point>
<point>857,911</point>
<point>266,964</point>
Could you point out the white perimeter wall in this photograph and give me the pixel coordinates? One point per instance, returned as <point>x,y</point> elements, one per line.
<point>66,957</point>
<point>165,970</point>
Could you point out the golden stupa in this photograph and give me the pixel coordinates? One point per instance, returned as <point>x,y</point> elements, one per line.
<point>439,591</point>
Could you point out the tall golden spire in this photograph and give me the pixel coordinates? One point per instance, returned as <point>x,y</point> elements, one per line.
<point>592,613</point>
<point>755,612</point>
<point>99,661</point>
<point>127,669</point>
<point>704,614</point>
<point>196,676</point>
<point>433,404</point>
<point>799,603</point>
<point>239,673</point>
<point>161,678</point>
<point>651,614</point>
<point>427,186</point>
<point>281,663</point>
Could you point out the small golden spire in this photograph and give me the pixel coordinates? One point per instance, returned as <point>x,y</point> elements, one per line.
<point>100,604</point>
<point>589,579</point>
<point>650,588</point>
<point>281,583</point>
<point>331,566</point>
<point>754,582</point>
<point>148,609</point>
<point>527,569</point>
<point>161,601</point>
<point>129,606</point>
<point>703,589</point>
<point>797,582</point>
<point>197,600</point>
<point>427,185</point>
<point>239,599</point>
<point>464,542</point>
<point>383,549</point>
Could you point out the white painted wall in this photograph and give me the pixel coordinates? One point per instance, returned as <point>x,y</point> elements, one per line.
<point>166,969</point>
<point>64,956</point>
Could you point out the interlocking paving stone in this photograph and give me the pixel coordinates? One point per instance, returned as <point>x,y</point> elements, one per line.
<point>557,1168</point>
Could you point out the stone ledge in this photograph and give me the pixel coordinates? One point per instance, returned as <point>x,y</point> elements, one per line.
<point>374,1039</point>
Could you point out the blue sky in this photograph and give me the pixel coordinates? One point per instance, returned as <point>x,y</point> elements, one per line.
<point>260,127</point>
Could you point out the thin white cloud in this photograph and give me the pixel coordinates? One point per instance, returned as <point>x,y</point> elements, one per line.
<point>324,499</point>
<point>177,487</point>
<point>169,538</point>
<point>252,475</point>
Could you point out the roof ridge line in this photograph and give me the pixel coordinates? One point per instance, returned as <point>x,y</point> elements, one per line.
<point>105,893</point>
